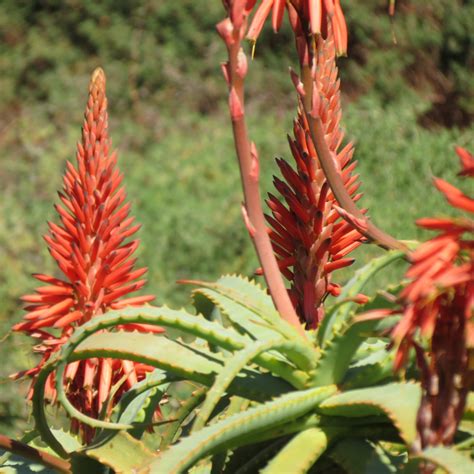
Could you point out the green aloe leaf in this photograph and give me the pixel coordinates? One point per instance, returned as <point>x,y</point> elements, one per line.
<point>242,318</point>
<point>300,453</point>
<point>398,401</point>
<point>122,452</point>
<point>359,456</point>
<point>250,291</point>
<point>341,311</point>
<point>370,370</point>
<point>229,372</point>
<point>139,404</point>
<point>67,439</point>
<point>247,305</point>
<point>446,458</point>
<point>339,336</point>
<point>338,350</point>
<point>469,410</point>
<point>236,429</point>
<point>150,349</point>
<point>178,359</point>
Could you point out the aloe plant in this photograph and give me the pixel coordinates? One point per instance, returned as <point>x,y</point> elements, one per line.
<point>262,384</point>
<point>258,379</point>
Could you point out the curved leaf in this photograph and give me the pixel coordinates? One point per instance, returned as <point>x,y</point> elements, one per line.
<point>448,459</point>
<point>370,370</point>
<point>139,404</point>
<point>235,429</point>
<point>231,369</point>
<point>338,351</point>
<point>359,456</point>
<point>343,307</point>
<point>252,297</point>
<point>165,354</point>
<point>122,452</point>
<point>398,401</point>
<point>339,336</point>
<point>300,453</point>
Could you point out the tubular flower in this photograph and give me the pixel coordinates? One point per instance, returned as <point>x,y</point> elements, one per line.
<point>467,162</point>
<point>439,305</point>
<point>307,17</point>
<point>309,238</point>
<point>91,248</point>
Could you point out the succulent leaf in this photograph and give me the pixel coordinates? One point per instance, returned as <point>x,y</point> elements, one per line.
<point>452,461</point>
<point>344,305</point>
<point>251,296</point>
<point>236,429</point>
<point>300,453</point>
<point>398,401</point>
<point>360,456</point>
<point>123,453</point>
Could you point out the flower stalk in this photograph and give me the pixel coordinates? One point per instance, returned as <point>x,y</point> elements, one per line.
<point>232,30</point>
<point>333,176</point>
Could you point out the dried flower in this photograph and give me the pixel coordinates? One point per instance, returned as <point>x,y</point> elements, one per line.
<point>439,306</point>
<point>308,235</point>
<point>91,250</point>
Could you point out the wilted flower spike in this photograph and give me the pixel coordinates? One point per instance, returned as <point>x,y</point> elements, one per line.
<point>309,238</point>
<point>439,305</point>
<point>91,248</point>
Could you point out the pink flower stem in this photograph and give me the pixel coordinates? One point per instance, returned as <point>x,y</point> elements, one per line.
<point>249,167</point>
<point>333,177</point>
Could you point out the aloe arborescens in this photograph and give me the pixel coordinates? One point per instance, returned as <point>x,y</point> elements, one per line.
<point>262,394</point>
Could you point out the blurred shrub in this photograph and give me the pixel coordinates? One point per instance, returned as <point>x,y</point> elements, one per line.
<point>164,49</point>
<point>434,54</point>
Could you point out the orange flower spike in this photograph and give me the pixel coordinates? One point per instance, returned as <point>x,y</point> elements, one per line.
<point>91,250</point>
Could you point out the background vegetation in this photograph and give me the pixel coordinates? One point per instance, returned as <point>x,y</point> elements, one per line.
<point>407,104</point>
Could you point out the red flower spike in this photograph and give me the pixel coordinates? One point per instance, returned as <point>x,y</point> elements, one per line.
<point>439,304</point>
<point>308,233</point>
<point>90,248</point>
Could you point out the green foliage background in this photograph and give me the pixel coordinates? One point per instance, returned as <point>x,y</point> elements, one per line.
<point>406,106</point>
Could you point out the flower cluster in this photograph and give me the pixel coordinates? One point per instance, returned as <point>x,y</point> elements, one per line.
<point>307,17</point>
<point>439,305</point>
<point>92,250</point>
<point>309,238</point>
